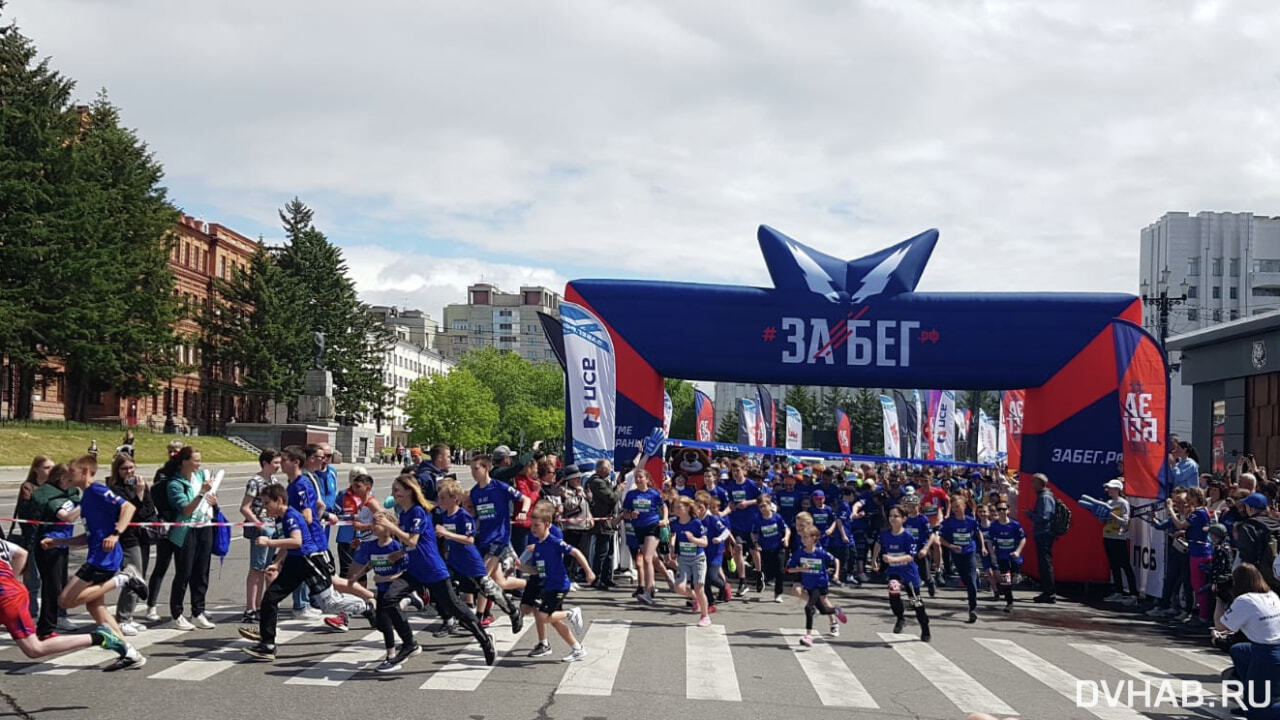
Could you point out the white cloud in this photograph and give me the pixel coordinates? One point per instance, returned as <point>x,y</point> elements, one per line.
<point>651,139</point>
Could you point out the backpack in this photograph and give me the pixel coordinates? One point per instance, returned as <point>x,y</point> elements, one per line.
<point>221,534</point>
<point>1269,561</point>
<point>1061,520</point>
<point>160,496</point>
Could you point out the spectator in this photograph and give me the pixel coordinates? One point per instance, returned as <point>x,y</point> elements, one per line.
<point>190,501</point>
<point>529,486</point>
<point>605,493</point>
<point>1253,534</point>
<point>1115,540</point>
<point>576,511</point>
<point>29,535</point>
<point>432,470</point>
<point>164,550</point>
<point>125,482</point>
<point>1042,532</point>
<point>1185,470</point>
<point>1255,612</point>
<point>252,510</point>
<point>56,501</point>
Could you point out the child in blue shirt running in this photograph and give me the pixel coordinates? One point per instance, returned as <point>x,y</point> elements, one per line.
<point>548,558</point>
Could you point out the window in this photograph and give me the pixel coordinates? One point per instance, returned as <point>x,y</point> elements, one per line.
<point>222,267</point>
<point>1193,292</point>
<point>504,313</point>
<point>1233,293</point>
<point>1266,266</point>
<point>187,262</point>
<point>1266,292</point>
<point>1217,267</point>
<point>1193,267</point>
<point>504,326</point>
<point>508,338</point>
<point>1193,315</point>
<point>1217,316</point>
<point>1217,293</point>
<point>1233,267</point>
<point>458,325</point>
<point>531,328</point>
<point>1235,315</point>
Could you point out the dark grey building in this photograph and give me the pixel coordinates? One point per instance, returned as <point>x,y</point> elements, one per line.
<point>1234,372</point>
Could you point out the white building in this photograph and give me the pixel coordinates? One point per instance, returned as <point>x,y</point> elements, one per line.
<point>1228,266</point>
<point>412,356</point>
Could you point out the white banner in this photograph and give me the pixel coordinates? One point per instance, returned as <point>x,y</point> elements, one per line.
<point>666,414</point>
<point>589,359</point>
<point>795,428</point>
<point>944,438</point>
<point>892,446</point>
<point>748,422</point>
<point>1002,430</point>
<point>1147,552</point>
<point>986,438</point>
<point>922,417</point>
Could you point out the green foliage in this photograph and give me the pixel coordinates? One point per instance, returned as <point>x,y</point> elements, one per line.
<point>683,420</point>
<point>866,416</point>
<point>454,408</point>
<point>728,429</point>
<point>63,441</point>
<point>529,396</point>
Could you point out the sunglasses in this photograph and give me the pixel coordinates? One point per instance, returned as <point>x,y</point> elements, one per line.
<point>1003,508</point>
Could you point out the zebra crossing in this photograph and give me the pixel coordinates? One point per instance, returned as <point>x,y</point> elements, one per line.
<point>862,670</point>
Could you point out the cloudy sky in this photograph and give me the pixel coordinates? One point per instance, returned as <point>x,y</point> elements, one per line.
<point>518,142</point>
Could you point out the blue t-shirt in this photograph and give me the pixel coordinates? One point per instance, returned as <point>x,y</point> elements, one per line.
<point>788,503</point>
<point>919,527</point>
<point>1006,536</point>
<point>425,564</point>
<point>960,532</point>
<point>463,559</point>
<point>721,495</point>
<point>328,480</point>
<point>302,496</point>
<point>100,510</point>
<point>1198,534</point>
<point>548,557</point>
<point>770,531</point>
<point>292,521</point>
<point>378,557</point>
<point>903,543</point>
<point>837,536</point>
<point>813,566</point>
<point>683,547</point>
<point>492,504</point>
<point>686,491</point>
<point>714,525</point>
<point>646,503</point>
<point>823,517</point>
<point>740,521</point>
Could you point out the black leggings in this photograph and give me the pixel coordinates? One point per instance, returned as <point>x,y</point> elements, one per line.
<point>391,621</point>
<point>1121,569</point>
<point>52,565</point>
<point>772,562</point>
<point>443,598</point>
<point>714,585</point>
<point>164,556</point>
<point>841,554</point>
<point>191,570</point>
<point>817,603</point>
<point>896,589</point>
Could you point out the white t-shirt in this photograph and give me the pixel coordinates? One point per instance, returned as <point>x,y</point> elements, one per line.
<point>1257,615</point>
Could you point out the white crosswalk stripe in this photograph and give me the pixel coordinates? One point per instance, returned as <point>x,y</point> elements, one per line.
<point>605,640</point>
<point>1052,676</point>
<point>1123,662</point>
<point>1215,661</point>
<point>348,661</point>
<point>830,677</point>
<point>959,687</point>
<point>709,671</point>
<point>203,667</point>
<point>96,656</point>
<point>467,670</point>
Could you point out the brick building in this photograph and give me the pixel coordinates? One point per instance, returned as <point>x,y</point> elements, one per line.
<point>204,399</point>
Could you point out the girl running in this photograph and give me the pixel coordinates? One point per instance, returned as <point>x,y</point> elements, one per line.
<point>386,556</point>
<point>458,527</point>
<point>648,514</point>
<point>773,536</point>
<point>813,563</point>
<point>921,528</point>
<point>959,533</point>
<point>898,551</point>
<point>983,513</point>
<point>689,541</point>
<point>718,533</point>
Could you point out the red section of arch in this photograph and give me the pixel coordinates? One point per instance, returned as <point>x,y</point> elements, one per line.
<point>636,377</point>
<point>1133,313</point>
<point>1079,384</point>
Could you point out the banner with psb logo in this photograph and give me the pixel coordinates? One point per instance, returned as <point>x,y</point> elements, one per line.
<point>590,366</point>
<point>794,428</point>
<point>844,431</point>
<point>944,430</point>
<point>892,443</point>
<point>748,422</point>
<point>704,414</point>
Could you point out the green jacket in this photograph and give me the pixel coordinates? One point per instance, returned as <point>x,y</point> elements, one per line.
<point>47,500</point>
<point>181,492</point>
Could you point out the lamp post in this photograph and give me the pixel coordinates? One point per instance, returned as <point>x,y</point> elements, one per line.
<point>1163,302</point>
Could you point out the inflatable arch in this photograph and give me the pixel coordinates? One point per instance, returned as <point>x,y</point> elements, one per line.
<point>1096,384</point>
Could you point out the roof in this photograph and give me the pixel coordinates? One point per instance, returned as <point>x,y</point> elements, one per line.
<point>1225,331</point>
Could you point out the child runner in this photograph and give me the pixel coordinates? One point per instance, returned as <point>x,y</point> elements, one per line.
<point>648,514</point>
<point>1009,538</point>
<point>983,512</point>
<point>255,582</point>
<point>105,516</point>
<point>547,560</point>
<point>717,533</point>
<point>959,533</point>
<point>295,564</point>
<point>813,563</point>
<point>491,500</point>
<point>386,556</point>
<point>689,540</point>
<point>921,528</point>
<point>459,528</point>
<point>356,507</point>
<point>855,526</point>
<point>743,493</point>
<point>898,550</point>
<point>773,536</point>
<point>15,616</point>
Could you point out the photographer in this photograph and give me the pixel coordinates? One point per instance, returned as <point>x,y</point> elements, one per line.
<point>125,482</point>
<point>1253,535</point>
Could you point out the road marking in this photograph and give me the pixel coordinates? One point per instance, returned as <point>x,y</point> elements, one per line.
<point>1126,664</point>
<point>342,665</point>
<point>1215,661</point>
<point>709,671</point>
<point>1052,676</point>
<point>605,640</point>
<point>959,687</point>
<point>203,667</point>
<point>467,670</point>
<point>94,656</point>
<point>830,677</point>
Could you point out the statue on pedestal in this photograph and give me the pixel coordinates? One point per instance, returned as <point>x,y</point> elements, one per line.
<point>317,349</point>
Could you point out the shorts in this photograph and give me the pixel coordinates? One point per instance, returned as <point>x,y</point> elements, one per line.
<point>260,557</point>
<point>532,593</point>
<point>653,531</point>
<point>692,569</point>
<point>94,575</point>
<point>552,601</point>
<point>15,616</point>
<point>813,593</point>
<point>987,563</point>
<point>744,539</point>
<point>469,585</point>
<point>501,550</point>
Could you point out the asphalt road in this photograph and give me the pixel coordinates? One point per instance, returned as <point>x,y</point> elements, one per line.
<point>643,663</point>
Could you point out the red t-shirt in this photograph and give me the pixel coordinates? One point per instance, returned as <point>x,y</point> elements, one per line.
<point>931,503</point>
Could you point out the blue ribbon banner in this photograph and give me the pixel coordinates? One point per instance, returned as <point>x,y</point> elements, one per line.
<point>757,450</point>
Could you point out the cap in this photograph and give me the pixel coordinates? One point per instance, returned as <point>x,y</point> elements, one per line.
<point>355,471</point>
<point>818,493</point>
<point>724,474</point>
<point>501,452</point>
<point>1257,501</point>
<point>176,445</point>
<point>1217,529</point>
<point>571,472</point>
<point>908,491</point>
<point>1117,483</point>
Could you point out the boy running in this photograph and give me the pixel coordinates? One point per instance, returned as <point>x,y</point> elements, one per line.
<point>548,561</point>
<point>459,528</point>
<point>813,564</point>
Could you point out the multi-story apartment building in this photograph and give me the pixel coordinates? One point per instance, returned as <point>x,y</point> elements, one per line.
<point>412,356</point>
<point>507,321</point>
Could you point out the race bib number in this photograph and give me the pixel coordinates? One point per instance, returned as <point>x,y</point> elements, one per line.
<point>769,530</point>
<point>641,504</point>
<point>688,548</point>
<point>811,566</point>
<point>961,538</point>
<point>739,496</point>
<point>486,511</point>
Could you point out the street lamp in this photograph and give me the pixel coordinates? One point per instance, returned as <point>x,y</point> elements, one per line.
<point>1163,302</point>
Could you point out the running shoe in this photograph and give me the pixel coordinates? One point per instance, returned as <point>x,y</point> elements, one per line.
<point>1008,607</point>
<point>777,598</point>
<point>711,610</point>
<point>1114,597</point>
<point>517,619</point>
<point>337,623</point>
<point>704,621</point>
<point>540,650</point>
<point>726,595</point>
<point>128,629</point>
<point>575,621</point>
<point>841,616</point>
<point>579,653</point>
<point>933,590</point>
<point>486,621</point>
<point>973,618</point>
<point>250,617</point>
<point>308,613</point>
<point>760,584</point>
<point>131,659</point>
<point>646,599</point>
<point>1129,601</point>
<point>490,652</point>
<point>134,581</point>
<point>405,652</point>
<point>898,625</point>
<point>153,614</point>
<point>203,622</point>
<point>863,577</point>
<point>835,630</point>
<point>66,625</point>
<point>182,623</point>
<point>250,632</point>
<point>261,651</point>
<point>806,640</point>
<point>107,639</point>
<point>387,665</point>
<point>925,636</point>
<point>445,628</point>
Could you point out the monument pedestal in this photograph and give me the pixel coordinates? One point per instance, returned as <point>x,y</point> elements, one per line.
<point>315,404</point>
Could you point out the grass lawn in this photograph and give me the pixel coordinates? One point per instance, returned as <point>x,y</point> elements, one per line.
<point>19,442</point>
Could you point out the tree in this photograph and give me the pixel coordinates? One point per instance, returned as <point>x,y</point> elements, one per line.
<point>453,408</point>
<point>326,300</point>
<point>728,430</point>
<point>866,417</point>
<point>682,416</point>
<point>529,396</point>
